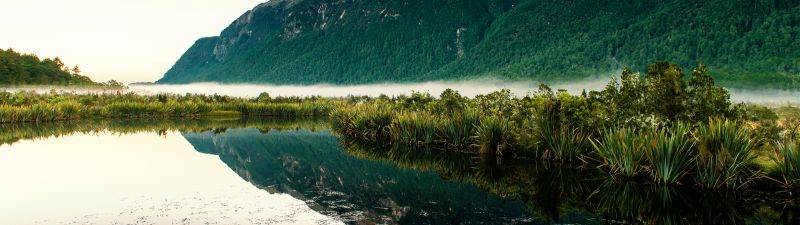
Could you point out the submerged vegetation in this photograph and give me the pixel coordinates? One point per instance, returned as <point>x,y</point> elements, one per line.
<point>660,127</point>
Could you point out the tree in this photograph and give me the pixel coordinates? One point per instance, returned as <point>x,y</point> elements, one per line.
<point>60,64</point>
<point>450,102</point>
<point>624,101</point>
<point>665,93</point>
<point>705,98</point>
<point>76,70</point>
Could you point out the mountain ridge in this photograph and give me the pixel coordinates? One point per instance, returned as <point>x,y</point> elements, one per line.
<point>746,43</point>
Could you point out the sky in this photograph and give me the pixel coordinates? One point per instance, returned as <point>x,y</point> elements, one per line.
<point>125,40</point>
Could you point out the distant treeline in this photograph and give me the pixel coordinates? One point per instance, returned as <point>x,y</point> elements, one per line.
<point>28,69</point>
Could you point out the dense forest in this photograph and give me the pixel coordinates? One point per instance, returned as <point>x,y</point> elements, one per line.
<point>751,44</point>
<point>28,69</point>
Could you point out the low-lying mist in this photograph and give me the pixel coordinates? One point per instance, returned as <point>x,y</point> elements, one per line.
<point>468,88</point>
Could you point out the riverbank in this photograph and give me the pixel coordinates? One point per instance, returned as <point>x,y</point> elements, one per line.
<point>23,107</point>
<point>657,128</point>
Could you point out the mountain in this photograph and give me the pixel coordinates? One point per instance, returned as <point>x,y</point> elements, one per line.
<point>746,43</point>
<point>311,166</point>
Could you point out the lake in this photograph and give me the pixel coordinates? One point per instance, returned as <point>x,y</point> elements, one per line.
<point>262,171</point>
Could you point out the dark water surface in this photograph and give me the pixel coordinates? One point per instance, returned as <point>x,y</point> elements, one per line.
<point>298,172</point>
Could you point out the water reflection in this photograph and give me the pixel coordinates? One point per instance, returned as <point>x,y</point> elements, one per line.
<point>557,193</point>
<point>144,177</point>
<point>311,166</point>
<point>411,185</point>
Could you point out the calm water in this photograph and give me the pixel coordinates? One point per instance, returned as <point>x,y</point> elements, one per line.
<point>298,172</point>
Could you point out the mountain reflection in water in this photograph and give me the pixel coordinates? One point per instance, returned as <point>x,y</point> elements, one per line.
<point>409,185</point>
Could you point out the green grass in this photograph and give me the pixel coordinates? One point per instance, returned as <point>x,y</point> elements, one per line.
<point>413,128</point>
<point>31,107</point>
<point>622,151</point>
<point>725,154</point>
<point>494,136</point>
<point>459,131</point>
<point>787,160</point>
<point>555,141</point>
<point>670,153</point>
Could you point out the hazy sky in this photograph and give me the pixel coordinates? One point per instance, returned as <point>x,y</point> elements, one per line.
<point>127,40</point>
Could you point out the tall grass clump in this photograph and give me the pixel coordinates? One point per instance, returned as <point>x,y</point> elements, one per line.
<point>413,128</point>
<point>724,154</point>
<point>622,151</point>
<point>459,130</point>
<point>670,153</point>
<point>557,141</point>
<point>787,160</point>
<point>493,136</point>
<point>365,123</point>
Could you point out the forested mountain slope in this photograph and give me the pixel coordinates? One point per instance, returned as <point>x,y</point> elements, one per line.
<point>746,43</point>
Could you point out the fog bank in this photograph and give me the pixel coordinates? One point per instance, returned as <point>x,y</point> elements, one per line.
<point>467,88</point>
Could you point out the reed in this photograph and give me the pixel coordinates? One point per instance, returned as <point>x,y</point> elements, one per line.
<point>622,151</point>
<point>494,136</point>
<point>32,107</point>
<point>724,155</point>
<point>670,153</point>
<point>413,128</point>
<point>459,131</point>
<point>787,160</point>
<point>556,141</point>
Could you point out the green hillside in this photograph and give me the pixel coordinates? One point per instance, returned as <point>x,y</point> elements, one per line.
<point>28,69</point>
<point>747,43</point>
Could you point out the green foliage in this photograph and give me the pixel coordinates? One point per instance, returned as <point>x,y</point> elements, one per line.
<point>622,151</point>
<point>725,153</point>
<point>494,136</point>
<point>787,160</point>
<point>663,97</point>
<point>451,102</point>
<point>551,131</point>
<point>33,107</point>
<point>670,153</point>
<point>414,128</point>
<point>28,69</point>
<point>704,98</point>
<point>665,143</point>
<point>458,130</point>
<point>751,44</point>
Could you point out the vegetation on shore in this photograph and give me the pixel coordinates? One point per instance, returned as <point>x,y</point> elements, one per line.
<point>661,127</point>
<point>31,107</point>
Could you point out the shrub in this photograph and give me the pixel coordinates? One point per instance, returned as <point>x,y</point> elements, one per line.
<point>725,152</point>
<point>670,154</point>
<point>622,151</point>
<point>787,160</point>
<point>494,136</point>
